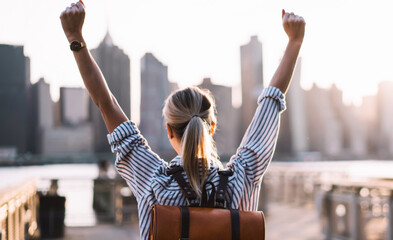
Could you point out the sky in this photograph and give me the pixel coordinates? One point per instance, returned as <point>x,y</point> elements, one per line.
<point>347,42</point>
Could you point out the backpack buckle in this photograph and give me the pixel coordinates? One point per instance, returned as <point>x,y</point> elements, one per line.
<point>226,172</point>
<point>173,170</point>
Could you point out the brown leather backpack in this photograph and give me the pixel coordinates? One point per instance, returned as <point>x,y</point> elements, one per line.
<point>210,219</point>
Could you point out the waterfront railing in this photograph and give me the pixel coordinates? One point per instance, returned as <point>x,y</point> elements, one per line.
<point>18,211</point>
<point>353,200</point>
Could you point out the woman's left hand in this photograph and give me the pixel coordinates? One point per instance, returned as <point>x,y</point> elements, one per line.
<point>294,26</point>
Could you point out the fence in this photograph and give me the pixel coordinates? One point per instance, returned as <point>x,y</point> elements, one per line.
<point>18,212</point>
<point>349,207</point>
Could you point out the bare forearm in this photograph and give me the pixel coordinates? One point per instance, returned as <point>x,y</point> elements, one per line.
<point>98,90</point>
<point>72,19</point>
<point>92,78</point>
<point>283,75</point>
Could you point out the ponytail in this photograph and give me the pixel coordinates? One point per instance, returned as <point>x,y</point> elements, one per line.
<point>191,115</point>
<point>196,152</point>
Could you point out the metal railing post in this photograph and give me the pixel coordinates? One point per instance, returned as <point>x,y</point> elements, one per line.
<point>355,217</point>
<point>389,230</point>
<point>329,223</point>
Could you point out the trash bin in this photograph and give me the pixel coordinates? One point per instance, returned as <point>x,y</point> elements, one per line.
<point>104,199</point>
<point>51,216</point>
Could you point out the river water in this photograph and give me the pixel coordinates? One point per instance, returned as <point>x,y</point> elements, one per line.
<point>75,183</point>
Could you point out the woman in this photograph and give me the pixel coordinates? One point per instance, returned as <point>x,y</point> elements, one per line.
<point>190,123</point>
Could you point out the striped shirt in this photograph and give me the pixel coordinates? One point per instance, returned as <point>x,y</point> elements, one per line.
<point>146,173</point>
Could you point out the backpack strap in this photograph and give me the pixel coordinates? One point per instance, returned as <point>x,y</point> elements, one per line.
<point>235,222</point>
<point>208,202</point>
<point>185,223</point>
<point>177,173</point>
<point>222,188</point>
<point>220,202</point>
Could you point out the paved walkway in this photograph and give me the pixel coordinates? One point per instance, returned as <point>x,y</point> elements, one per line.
<point>283,223</point>
<point>102,232</point>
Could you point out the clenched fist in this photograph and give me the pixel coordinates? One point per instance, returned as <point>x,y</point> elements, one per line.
<point>293,26</point>
<point>72,19</point>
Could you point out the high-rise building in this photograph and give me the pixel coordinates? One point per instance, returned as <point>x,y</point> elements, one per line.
<point>353,132</point>
<point>74,104</point>
<point>226,138</point>
<point>385,119</point>
<point>325,132</point>
<point>318,121</point>
<point>251,79</point>
<point>293,129</point>
<point>358,146</point>
<point>115,66</point>
<point>368,115</point>
<point>73,134</point>
<point>155,88</point>
<point>67,139</point>
<point>297,111</point>
<point>14,83</point>
<point>41,114</point>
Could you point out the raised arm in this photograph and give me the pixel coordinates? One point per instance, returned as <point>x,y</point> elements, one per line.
<point>72,20</point>
<point>294,27</point>
<point>257,147</point>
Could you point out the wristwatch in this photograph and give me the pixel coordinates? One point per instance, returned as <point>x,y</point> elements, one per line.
<point>76,46</point>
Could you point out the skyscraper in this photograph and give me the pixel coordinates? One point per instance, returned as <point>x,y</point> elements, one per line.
<point>73,106</point>
<point>14,82</point>
<point>293,129</point>
<point>385,119</point>
<point>251,78</point>
<point>227,119</point>
<point>354,133</point>
<point>41,111</point>
<point>155,88</point>
<point>115,65</point>
<point>368,114</point>
<point>325,131</point>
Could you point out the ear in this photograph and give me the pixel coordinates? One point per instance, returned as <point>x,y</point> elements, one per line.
<point>169,131</point>
<point>212,128</point>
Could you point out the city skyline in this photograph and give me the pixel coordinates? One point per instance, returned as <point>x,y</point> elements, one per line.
<point>318,126</point>
<point>348,49</point>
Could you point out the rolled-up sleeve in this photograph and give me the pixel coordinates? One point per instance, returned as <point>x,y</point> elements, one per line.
<point>257,147</point>
<point>135,161</point>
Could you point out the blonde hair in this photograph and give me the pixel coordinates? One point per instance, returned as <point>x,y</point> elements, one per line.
<point>190,113</point>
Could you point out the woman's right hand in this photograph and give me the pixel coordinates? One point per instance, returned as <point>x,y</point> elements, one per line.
<point>72,19</point>
<point>294,26</point>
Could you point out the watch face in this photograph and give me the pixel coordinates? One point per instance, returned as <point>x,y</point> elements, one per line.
<point>75,46</point>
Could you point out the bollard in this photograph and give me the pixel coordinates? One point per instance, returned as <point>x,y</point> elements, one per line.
<point>51,216</point>
<point>104,195</point>
<point>327,201</point>
<point>355,216</point>
<point>389,231</point>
